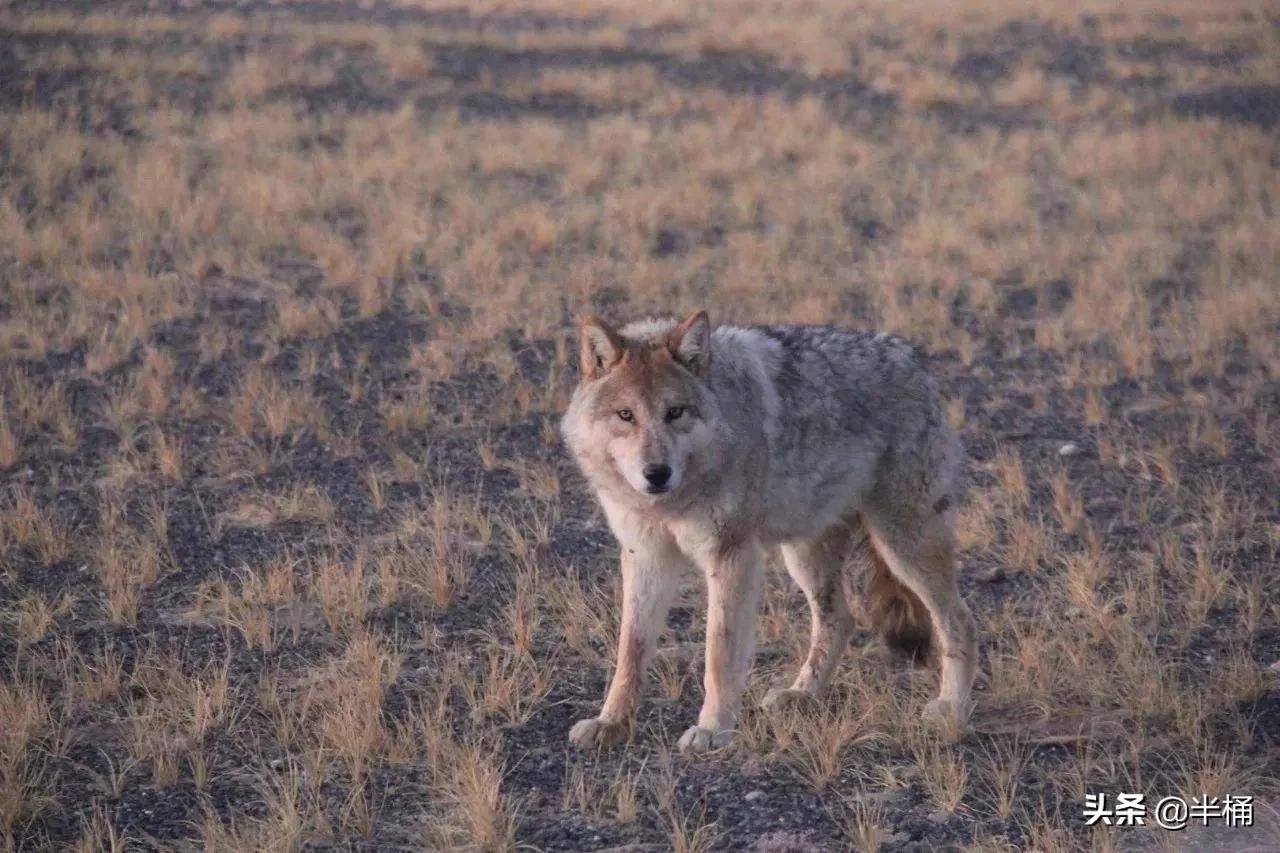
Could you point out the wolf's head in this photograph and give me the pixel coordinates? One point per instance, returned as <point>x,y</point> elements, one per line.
<point>643,414</point>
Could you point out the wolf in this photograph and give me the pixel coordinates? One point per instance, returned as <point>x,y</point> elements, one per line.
<point>707,447</point>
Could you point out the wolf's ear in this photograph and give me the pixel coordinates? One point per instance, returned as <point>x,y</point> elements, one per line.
<point>599,347</point>
<point>690,342</point>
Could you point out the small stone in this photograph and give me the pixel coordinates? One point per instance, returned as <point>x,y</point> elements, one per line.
<point>940,816</point>
<point>907,772</point>
<point>753,796</point>
<point>995,574</point>
<point>1069,449</point>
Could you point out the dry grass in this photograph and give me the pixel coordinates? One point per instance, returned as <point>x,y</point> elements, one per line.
<point>291,555</point>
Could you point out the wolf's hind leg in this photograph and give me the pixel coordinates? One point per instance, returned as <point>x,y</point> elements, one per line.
<point>920,553</point>
<point>817,568</point>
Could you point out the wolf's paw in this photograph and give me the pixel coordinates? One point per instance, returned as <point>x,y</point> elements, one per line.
<point>788,699</point>
<point>946,715</point>
<point>594,732</point>
<point>698,739</point>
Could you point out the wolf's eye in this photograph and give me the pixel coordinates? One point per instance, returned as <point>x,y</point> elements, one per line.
<point>626,415</point>
<point>675,413</point>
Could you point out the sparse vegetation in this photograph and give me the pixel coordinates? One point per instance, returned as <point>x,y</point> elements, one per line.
<point>290,554</point>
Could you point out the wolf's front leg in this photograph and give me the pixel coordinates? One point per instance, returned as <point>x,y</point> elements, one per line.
<point>734,578</point>
<point>651,575</point>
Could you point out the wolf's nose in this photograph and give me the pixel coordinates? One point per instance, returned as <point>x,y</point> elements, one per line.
<point>657,475</point>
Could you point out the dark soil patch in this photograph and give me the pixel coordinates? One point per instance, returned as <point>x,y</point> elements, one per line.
<point>1258,105</point>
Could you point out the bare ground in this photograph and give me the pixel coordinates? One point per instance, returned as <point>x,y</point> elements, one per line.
<point>293,558</point>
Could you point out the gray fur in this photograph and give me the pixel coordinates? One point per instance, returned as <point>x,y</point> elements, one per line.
<point>821,417</point>
<point>810,438</point>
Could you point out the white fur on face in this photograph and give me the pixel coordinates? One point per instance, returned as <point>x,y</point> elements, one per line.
<point>632,452</point>
<point>614,453</point>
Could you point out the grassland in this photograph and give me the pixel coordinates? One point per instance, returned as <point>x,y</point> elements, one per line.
<point>290,555</point>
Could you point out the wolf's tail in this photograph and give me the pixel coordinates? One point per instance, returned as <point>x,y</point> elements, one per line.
<point>889,608</point>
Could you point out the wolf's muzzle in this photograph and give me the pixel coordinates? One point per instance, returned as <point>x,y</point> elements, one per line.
<point>657,477</point>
